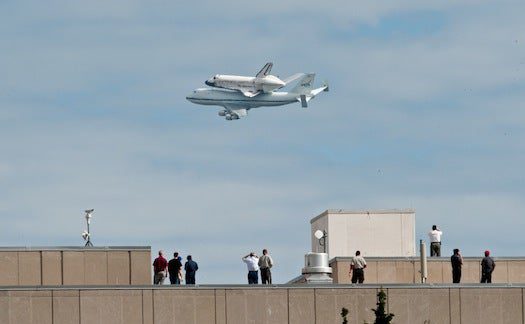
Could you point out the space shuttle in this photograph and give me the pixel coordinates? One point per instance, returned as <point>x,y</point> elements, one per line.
<point>262,82</point>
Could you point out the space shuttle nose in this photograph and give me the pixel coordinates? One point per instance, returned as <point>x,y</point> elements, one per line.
<point>208,83</point>
<point>274,81</point>
<point>277,83</point>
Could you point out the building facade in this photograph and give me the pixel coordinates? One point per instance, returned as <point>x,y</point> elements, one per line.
<point>381,233</point>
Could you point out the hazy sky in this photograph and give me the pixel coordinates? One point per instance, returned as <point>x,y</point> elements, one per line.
<point>426,111</point>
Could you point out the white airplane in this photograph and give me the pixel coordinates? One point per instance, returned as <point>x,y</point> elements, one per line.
<point>236,105</point>
<point>263,82</point>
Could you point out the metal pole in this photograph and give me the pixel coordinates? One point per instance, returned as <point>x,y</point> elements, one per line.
<point>88,243</point>
<point>423,261</point>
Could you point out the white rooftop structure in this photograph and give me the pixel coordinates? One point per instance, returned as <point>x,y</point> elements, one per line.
<point>378,233</point>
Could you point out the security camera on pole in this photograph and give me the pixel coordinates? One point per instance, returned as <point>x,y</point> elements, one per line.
<point>86,235</point>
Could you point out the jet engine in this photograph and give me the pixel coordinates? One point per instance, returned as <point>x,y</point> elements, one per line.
<point>231,117</point>
<point>222,113</point>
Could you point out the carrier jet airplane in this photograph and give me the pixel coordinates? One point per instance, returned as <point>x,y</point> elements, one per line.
<point>263,82</point>
<point>236,105</point>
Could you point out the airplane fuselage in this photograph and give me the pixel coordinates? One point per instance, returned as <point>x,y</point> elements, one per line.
<point>231,98</point>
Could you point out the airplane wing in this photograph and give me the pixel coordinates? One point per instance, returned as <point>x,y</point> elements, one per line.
<point>249,94</point>
<point>265,70</point>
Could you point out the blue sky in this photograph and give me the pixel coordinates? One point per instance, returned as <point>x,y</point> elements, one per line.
<point>426,111</point>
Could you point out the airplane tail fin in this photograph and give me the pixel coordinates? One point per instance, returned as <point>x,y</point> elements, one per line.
<point>292,78</point>
<point>304,85</point>
<point>304,90</point>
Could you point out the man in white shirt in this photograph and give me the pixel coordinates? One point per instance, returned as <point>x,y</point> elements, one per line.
<point>252,261</point>
<point>357,268</point>
<point>435,241</point>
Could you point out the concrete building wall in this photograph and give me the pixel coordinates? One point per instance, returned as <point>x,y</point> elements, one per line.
<point>278,304</point>
<point>374,233</point>
<point>406,270</point>
<point>75,266</point>
<point>321,224</point>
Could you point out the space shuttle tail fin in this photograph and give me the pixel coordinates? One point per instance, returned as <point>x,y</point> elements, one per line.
<point>265,70</point>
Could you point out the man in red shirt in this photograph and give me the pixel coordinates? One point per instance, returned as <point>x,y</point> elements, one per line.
<point>159,269</point>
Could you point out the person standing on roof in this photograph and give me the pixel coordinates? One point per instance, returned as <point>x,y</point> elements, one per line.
<point>487,267</point>
<point>191,268</point>
<point>252,261</point>
<point>435,241</point>
<point>265,263</point>
<point>174,269</point>
<point>159,269</point>
<point>357,268</point>
<point>456,260</point>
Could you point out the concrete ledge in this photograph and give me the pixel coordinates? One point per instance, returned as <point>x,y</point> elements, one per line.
<point>405,270</point>
<point>261,304</point>
<point>74,248</point>
<point>73,265</point>
<point>431,259</point>
<point>260,286</point>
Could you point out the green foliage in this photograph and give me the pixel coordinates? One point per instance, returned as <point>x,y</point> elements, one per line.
<point>381,316</point>
<point>344,312</point>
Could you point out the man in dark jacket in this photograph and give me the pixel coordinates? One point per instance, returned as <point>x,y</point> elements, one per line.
<point>487,267</point>
<point>456,261</point>
<point>174,267</point>
<point>190,267</point>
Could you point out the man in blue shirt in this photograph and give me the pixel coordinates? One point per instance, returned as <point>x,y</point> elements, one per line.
<point>190,267</point>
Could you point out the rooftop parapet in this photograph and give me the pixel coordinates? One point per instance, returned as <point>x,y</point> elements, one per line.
<point>73,265</point>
